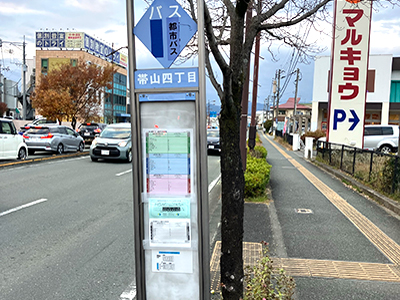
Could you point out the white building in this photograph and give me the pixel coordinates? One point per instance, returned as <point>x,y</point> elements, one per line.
<point>383,96</point>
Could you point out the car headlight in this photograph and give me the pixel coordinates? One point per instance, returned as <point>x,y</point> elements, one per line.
<point>94,143</point>
<point>122,143</point>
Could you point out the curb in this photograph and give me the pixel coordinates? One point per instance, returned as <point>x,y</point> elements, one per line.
<point>377,197</point>
<point>34,160</point>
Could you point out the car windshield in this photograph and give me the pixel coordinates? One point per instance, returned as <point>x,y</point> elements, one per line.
<point>213,134</point>
<point>116,133</point>
<point>39,131</point>
<point>89,127</point>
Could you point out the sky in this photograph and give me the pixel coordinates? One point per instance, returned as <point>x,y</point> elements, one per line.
<point>105,20</point>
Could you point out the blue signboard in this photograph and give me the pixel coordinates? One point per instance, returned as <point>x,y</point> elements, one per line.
<point>77,40</point>
<point>165,29</point>
<point>166,78</point>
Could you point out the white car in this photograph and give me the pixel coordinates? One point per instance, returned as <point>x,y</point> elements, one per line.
<point>12,144</point>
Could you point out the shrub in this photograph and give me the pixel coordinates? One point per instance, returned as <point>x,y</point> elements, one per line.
<point>259,152</point>
<point>256,176</point>
<point>267,125</point>
<point>262,283</point>
<point>315,134</point>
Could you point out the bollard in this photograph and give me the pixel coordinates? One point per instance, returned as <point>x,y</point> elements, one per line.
<point>308,150</point>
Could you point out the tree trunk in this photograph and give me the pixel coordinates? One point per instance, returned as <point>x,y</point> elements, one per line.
<point>73,123</point>
<point>231,168</point>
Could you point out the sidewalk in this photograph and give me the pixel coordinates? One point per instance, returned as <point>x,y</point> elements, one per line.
<point>336,243</point>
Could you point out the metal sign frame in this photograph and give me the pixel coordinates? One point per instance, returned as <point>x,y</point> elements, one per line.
<point>141,207</point>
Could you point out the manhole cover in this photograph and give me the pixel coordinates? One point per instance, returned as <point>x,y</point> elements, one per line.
<point>303,211</point>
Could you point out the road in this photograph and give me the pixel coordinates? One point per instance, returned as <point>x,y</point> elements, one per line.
<point>66,229</point>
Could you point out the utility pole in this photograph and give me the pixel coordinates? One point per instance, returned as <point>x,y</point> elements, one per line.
<point>295,100</point>
<point>276,88</point>
<point>245,99</point>
<point>112,82</point>
<point>23,81</point>
<point>252,132</point>
<point>273,105</point>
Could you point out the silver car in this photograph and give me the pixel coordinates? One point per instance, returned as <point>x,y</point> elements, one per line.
<point>114,143</point>
<point>58,139</point>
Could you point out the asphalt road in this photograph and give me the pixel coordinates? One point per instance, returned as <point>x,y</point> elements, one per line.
<point>72,236</point>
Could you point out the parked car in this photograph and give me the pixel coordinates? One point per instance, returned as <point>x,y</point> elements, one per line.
<point>382,138</point>
<point>12,144</point>
<point>38,122</point>
<point>114,143</point>
<point>56,138</point>
<point>88,131</point>
<point>213,144</point>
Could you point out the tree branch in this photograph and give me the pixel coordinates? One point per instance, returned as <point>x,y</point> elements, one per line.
<point>211,75</point>
<point>212,41</point>
<point>296,20</point>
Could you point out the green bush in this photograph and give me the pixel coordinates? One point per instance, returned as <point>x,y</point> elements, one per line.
<point>256,176</point>
<point>262,282</point>
<point>267,125</point>
<point>258,152</point>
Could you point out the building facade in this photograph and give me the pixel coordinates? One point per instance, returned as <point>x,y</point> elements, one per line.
<point>383,91</point>
<point>114,104</point>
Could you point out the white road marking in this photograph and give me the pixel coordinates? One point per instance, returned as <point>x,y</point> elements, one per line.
<point>213,183</point>
<point>22,207</point>
<point>123,173</point>
<point>129,293</point>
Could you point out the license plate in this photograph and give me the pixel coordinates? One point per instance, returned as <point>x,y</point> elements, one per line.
<point>86,134</point>
<point>105,152</point>
<point>210,146</point>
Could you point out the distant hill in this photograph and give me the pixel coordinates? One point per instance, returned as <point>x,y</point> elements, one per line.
<point>217,108</point>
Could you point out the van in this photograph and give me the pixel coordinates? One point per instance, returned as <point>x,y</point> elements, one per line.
<point>383,138</point>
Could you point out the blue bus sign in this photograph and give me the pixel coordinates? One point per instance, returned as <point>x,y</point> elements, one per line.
<point>165,29</point>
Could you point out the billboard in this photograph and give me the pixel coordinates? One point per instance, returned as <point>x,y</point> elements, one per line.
<point>348,76</point>
<point>81,41</point>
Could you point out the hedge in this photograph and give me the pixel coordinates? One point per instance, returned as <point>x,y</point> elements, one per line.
<point>257,172</point>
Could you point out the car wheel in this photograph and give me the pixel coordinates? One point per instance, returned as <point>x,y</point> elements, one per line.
<point>386,149</point>
<point>93,158</point>
<point>60,149</point>
<point>22,154</point>
<point>31,152</point>
<point>129,156</point>
<point>81,147</point>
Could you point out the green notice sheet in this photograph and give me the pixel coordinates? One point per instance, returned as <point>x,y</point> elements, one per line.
<point>163,142</point>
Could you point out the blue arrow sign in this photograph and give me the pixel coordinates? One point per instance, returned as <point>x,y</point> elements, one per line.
<point>165,29</point>
<point>355,120</point>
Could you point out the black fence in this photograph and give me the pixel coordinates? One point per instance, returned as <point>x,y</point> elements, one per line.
<point>285,136</point>
<point>378,170</point>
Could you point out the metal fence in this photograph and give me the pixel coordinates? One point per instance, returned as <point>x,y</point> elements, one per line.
<point>288,138</point>
<point>378,170</point>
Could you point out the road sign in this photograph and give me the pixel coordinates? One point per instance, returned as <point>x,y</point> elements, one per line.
<point>165,29</point>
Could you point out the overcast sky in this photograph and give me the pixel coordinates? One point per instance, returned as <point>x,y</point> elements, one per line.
<point>105,20</point>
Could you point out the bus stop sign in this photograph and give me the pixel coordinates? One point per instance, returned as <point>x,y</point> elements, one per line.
<point>165,29</point>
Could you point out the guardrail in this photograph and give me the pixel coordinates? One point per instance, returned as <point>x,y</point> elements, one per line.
<point>379,170</point>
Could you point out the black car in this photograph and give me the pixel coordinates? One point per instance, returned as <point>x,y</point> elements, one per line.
<point>213,144</point>
<point>88,131</point>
